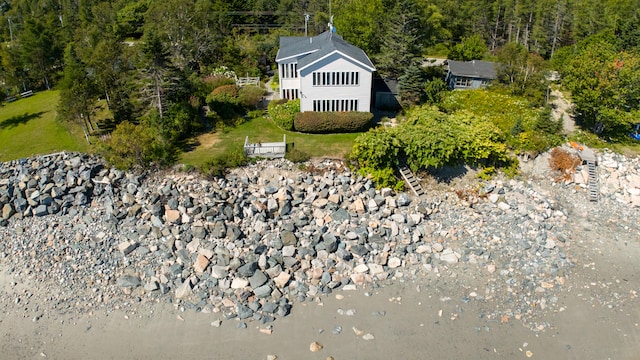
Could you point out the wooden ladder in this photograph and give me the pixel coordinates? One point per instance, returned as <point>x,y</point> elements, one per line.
<point>593,181</point>
<point>411,180</point>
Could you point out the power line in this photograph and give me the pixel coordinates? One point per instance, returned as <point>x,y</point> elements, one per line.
<point>267,26</point>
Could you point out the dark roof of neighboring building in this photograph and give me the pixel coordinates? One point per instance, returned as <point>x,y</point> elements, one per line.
<point>385,85</point>
<point>474,68</point>
<point>317,47</point>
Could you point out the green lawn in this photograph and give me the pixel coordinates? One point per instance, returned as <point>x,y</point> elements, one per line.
<point>28,127</point>
<point>264,130</point>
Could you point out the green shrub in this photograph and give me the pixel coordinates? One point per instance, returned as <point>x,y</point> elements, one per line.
<point>282,112</point>
<point>297,156</point>
<point>220,165</point>
<point>331,122</point>
<point>511,168</point>
<point>525,129</point>
<point>224,100</point>
<point>383,178</point>
<point>429,138</point>
<point>250,96</point>
<point>517,128</point>
<point>275,82</point>
<point>486,173</point>
<point>136,146</point>
<point>254,114</point>
<point>215,81</point>
<point>227,93</point>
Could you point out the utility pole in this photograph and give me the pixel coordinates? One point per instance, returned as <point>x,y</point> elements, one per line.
<point>10,28</point>
<point>306,23</point>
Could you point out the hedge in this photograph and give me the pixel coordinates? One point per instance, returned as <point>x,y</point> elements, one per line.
<point>331,122</point>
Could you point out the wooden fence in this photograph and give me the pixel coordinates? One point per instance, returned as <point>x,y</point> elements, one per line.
<point>266,150</point>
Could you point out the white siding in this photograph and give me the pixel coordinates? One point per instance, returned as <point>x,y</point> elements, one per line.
<point>287,82</point>
<point>335,63</point>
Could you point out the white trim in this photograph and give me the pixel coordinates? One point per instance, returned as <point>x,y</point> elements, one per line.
<point>343,55</point>
<point>294,56</point>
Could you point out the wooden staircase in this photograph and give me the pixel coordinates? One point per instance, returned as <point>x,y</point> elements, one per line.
<point>411,180</point>
<point>592,185</point>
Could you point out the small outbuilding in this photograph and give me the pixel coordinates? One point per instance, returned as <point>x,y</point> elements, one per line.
<point>473,74</point>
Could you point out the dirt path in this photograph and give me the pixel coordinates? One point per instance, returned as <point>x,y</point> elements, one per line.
<point>562,110</point>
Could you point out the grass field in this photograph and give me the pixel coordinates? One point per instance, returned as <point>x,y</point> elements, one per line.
<point>29,127</point>
<point>207,146</point>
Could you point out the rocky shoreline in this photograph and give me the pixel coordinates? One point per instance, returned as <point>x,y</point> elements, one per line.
<point>85,237</point>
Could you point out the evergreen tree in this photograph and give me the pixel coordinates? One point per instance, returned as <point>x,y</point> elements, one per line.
<point>78,94</point>
<point>40,50</point>
<point>411,85</point>
<point>401,40</point>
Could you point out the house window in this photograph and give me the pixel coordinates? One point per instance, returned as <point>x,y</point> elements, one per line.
<point>290,94</point>
<point>463,82</point>
<point>289,71</point>
<point>335,78</point>
<point>335,105</point>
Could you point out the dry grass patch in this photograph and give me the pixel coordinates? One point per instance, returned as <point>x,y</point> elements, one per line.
<point>208,140</point>
<point>563,163</point>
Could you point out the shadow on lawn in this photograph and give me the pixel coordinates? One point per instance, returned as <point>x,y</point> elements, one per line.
<point>19,120</point>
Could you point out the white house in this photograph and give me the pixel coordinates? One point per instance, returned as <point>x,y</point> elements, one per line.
<point>325,72</point>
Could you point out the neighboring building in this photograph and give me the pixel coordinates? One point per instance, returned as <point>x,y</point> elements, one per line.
<point>386,94</point>
<point>325,72</point>
<point>473,74</point>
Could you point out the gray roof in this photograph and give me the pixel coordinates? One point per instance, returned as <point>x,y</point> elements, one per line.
<point>474,68</point>
<point>317,47</point>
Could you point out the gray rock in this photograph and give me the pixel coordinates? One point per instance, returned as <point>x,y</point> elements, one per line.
<point>151,286</point>
<point>199,232</point>
<point>20,204</point>
<point>7,211</point>
<point>283,310</point>
<point>272,206</point>
<point>449,257</point>
<point>126,281</point>
<point>403,200</point>
<point>263,291</point>
<point>359,250</point>
<point>244,312</point>
<point>340,215</point>
<point>258,279</point>
<point>40,210</point>
<point>219,230</point>
<point>173,203</point>
<point>330,242</point>
<point>219,272</point>
<point>234,233</point>
<point>288,238</point>
<point>156,221</point>
<point>248,269</point>
<point>184,290</point>
<point>269,307</point>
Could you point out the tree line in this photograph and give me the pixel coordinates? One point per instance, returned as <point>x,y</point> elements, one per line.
<point>148,59</point>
